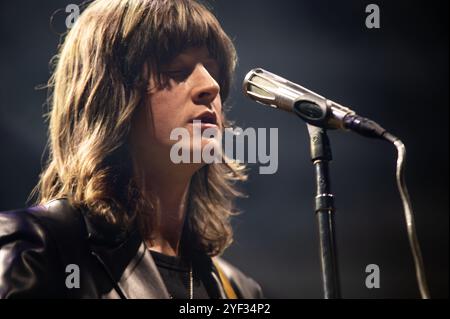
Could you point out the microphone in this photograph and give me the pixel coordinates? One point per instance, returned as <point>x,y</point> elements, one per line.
<point>270,89</point>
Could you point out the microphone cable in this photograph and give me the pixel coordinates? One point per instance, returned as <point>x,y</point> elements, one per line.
<point>408,213</point>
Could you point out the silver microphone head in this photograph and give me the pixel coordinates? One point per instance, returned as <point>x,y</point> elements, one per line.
<point>270,89</point>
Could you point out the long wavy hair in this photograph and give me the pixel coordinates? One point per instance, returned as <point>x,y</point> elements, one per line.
<point>97,86</point>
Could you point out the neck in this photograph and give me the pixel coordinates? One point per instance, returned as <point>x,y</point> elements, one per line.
<point>171,190</point>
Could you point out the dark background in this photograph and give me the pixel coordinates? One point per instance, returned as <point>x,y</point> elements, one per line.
<point>397,75</point>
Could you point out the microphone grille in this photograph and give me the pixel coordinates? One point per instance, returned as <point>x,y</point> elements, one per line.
<point>259,87</point>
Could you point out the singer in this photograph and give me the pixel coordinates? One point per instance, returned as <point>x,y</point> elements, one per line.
<point>115,217</point>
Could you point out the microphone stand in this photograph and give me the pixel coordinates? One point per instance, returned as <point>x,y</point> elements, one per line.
<point>324,210</point>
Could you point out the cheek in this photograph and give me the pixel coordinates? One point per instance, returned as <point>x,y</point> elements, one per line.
<point>165,114</point>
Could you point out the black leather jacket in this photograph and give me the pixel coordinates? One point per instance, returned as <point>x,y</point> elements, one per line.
<point>37,244</point>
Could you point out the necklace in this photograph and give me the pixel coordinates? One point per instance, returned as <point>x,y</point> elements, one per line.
<point>191,283</point>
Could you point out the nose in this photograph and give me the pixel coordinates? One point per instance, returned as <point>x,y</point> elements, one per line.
<point>206,88</point>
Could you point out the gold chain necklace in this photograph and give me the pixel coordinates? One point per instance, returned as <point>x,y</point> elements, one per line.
<point>191,283</point>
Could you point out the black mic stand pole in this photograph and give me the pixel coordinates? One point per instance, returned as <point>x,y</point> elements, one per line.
<point>324,210</point>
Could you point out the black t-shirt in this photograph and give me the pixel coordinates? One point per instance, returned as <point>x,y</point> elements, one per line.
<point>175,272</point>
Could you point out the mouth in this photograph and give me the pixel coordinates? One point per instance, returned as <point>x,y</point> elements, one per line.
<point>207,118</point>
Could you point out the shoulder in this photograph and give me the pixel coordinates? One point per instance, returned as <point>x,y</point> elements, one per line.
<point>28,255</point>
<point>245,286</point>
<point>43,221</point>
<point>20,220</point>
<point>44,213</point>
<point>30,249</point>
<point>23,223</point>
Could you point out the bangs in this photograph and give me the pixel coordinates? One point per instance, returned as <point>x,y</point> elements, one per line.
<point>182,24</point>
<point>181,27</point>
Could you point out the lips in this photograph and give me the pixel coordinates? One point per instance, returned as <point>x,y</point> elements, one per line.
<point>206,117</point>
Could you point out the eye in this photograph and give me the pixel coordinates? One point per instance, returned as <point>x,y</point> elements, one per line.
<point>213,69</point>
<point>178,74</point>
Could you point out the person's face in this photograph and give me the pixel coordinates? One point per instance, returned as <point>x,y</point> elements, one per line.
<point>192,94</point>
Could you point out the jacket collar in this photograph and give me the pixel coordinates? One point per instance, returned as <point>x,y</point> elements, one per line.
<point>127,262</point>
